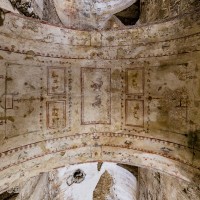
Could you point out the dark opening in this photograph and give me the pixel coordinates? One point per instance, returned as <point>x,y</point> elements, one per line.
<point>24,8</point>
<point>78,174</point>
<point>130,15</point>
<point>8,196</point>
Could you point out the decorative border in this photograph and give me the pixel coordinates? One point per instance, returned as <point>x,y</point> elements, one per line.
<point>177,19</point>
<point>148,45</point>
<point>96,136</point>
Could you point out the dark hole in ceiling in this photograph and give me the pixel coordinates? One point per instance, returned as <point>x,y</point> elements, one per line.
<point>78,174</point>
<point>130,15</point>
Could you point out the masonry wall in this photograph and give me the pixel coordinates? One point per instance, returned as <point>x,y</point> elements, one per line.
<point>158,186</point>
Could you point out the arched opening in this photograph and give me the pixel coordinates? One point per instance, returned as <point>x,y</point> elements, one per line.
<point>130,15</point>
<point>87,181</point>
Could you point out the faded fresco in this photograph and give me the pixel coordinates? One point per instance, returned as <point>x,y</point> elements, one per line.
<point>129,96</point>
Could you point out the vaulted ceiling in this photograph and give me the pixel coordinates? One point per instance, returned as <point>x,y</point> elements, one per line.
<point>72,92</point>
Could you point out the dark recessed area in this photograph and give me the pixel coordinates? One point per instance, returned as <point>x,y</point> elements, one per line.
<point>78,174</point>
<point>8,196</point>
<point>130,15</point>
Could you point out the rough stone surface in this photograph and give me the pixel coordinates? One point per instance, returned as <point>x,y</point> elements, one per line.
<point>49,13</point>
<point>157,186</point>
<point>156,10</point>
<point>28,8</point>
<point>103,188</point>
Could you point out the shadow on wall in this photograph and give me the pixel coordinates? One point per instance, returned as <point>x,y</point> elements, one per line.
<point>130,15</point>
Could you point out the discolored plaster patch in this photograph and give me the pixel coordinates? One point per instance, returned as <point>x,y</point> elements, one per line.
<point>2,17</point>
<point>9,118</point>
<point>103,188</point>
<point>155,185</point>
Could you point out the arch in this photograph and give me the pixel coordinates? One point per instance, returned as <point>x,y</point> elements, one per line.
<point>32,143</point>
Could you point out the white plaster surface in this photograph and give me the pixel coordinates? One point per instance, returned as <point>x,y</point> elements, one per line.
<point>53,186</point>
<point>124,188</point>
<point>89,13</point>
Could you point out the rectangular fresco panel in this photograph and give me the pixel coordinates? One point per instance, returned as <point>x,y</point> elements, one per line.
<point>96,96</point>
<point>56,114</point>
<point>134,113</point>
<point>56,80</point>
<point>135,81</point>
